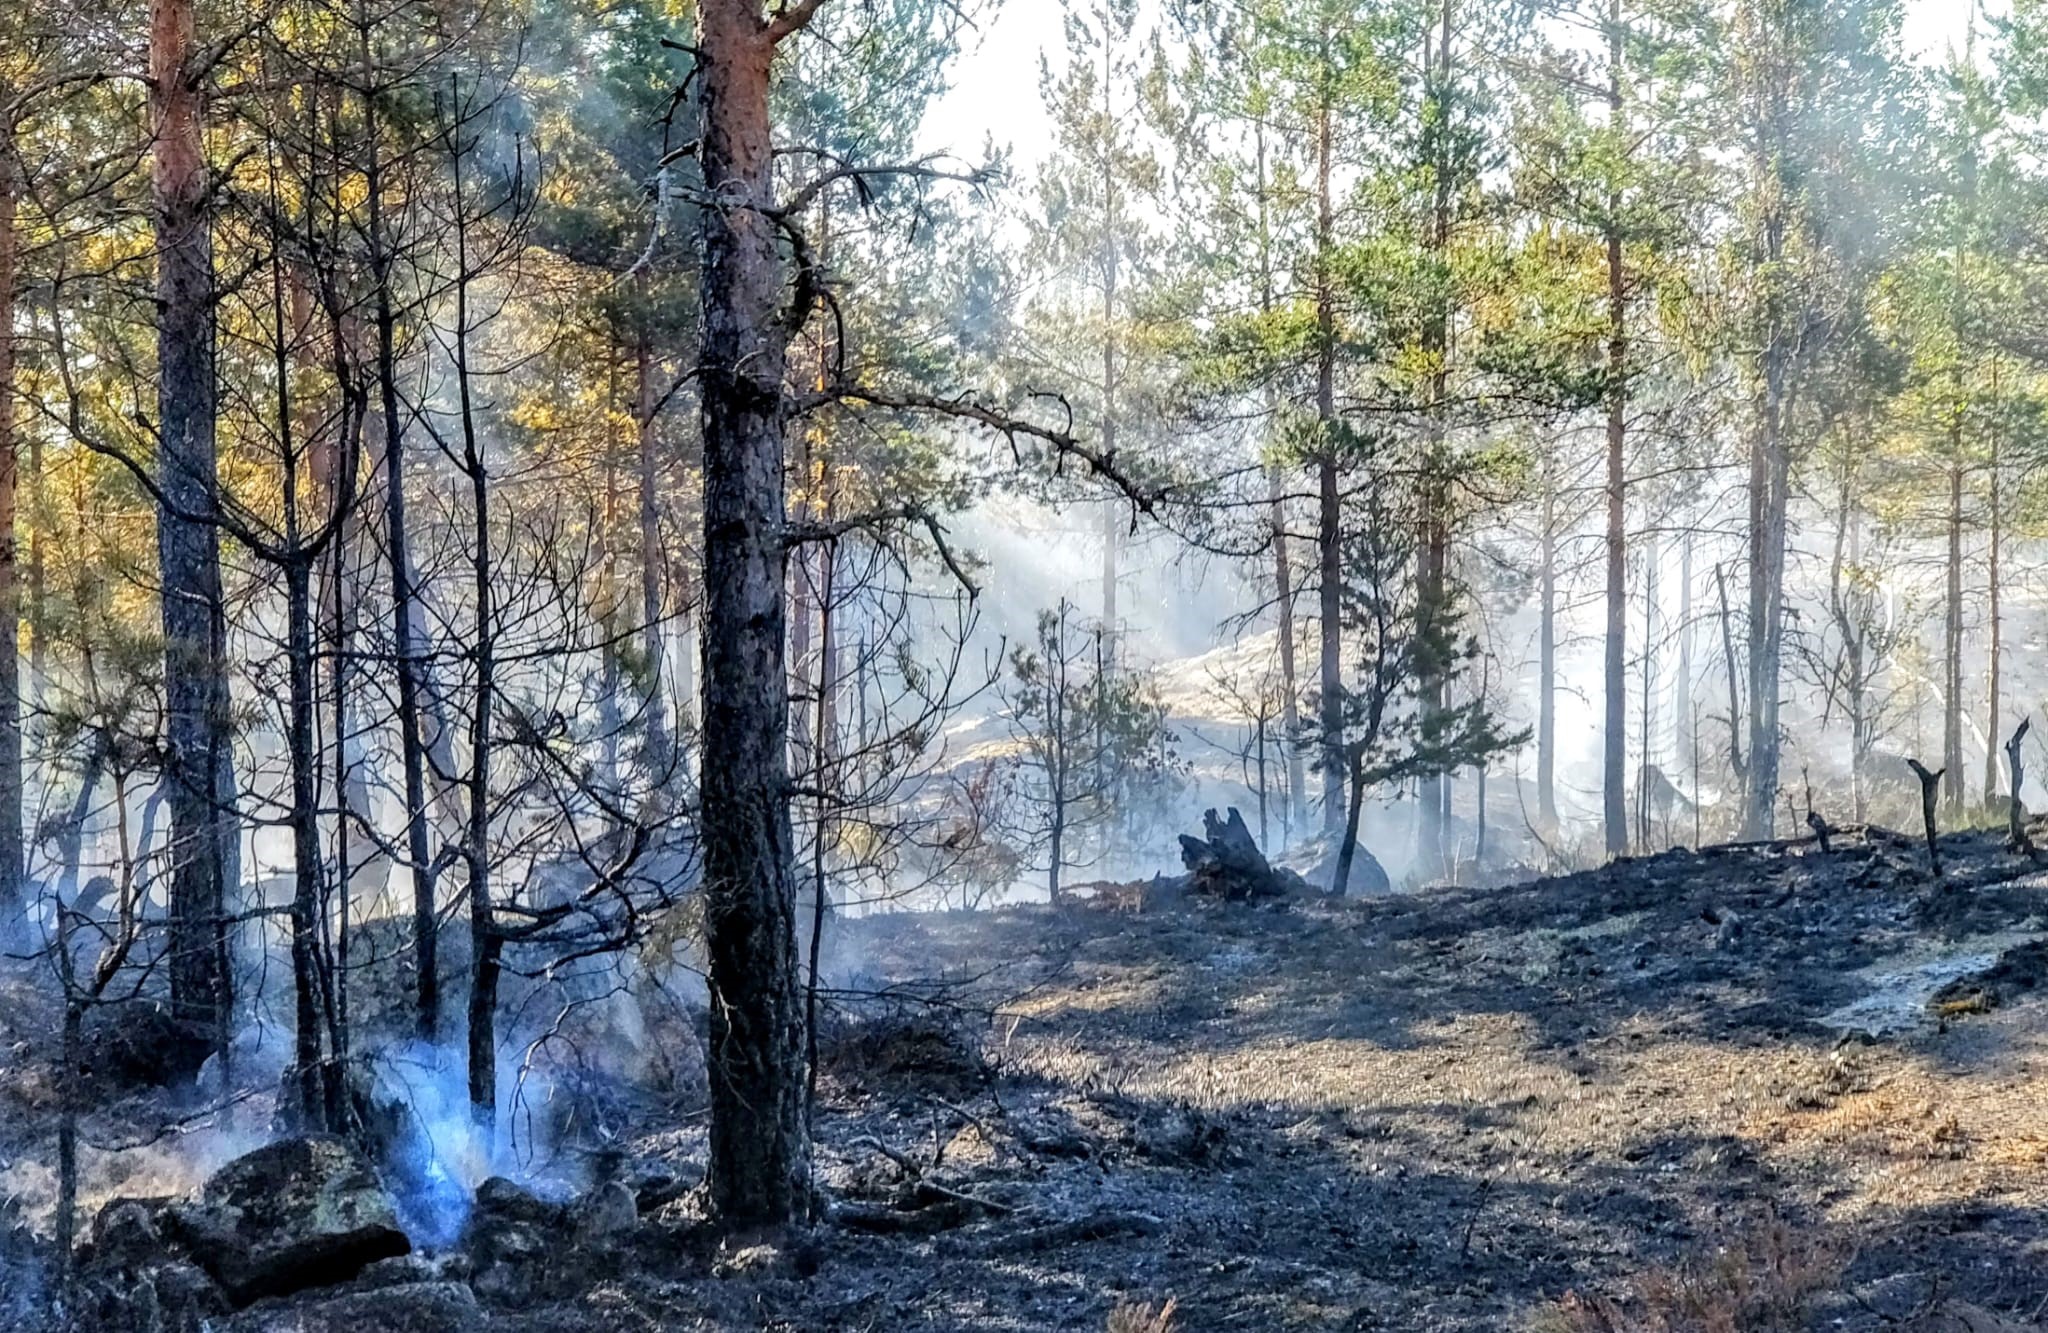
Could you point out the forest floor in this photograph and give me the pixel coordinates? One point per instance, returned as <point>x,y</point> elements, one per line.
<point>1768,1077</point>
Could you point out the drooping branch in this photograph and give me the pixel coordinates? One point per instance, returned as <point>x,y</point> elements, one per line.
<point>880,520</point>
<point>1064,444</point>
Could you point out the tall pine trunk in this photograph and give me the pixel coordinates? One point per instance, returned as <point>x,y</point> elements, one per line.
<point>1994,725</point>
<point>1283,566</point>
<point>1329,527</point>
<point>12,895</point>
<point>1952,641</point>
<point>197,765</point>
<point>1546,652</point>
<point>759,1173</point>
<point>1432,593</point>
<point>405,634</point>
<point>653,641</point>
<point>1614,754</point>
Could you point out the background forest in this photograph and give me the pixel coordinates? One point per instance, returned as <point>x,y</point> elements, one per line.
<point>512,507</point>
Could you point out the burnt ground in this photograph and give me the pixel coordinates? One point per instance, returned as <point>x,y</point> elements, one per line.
<point>1438,1112</point>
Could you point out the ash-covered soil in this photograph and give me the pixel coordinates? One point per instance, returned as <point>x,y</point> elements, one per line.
<point>1439,1112</point>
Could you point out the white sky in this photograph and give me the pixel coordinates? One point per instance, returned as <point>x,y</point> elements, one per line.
<point>995,81</point>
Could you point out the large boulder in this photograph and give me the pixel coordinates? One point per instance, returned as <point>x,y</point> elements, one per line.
<point>1315,861</point>
<point>301,1212</point>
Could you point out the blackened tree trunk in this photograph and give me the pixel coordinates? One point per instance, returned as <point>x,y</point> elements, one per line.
<point>1996,626</point>
<point>405,637</point>
<point>759,1173</point>
<point>1283,565</point>
<point>488,941</point>
<point>653,640</point>
<point>197,764</point>
<point>1330,517</point>
<point>1546,652</point>
<point>1614,755</point>
<point>12,896</point>
<point>1290,689</point>
<point>1952,643</point>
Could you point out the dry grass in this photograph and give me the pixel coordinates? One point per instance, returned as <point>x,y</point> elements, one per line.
<point>1140,1317</point>
<point>1764,1283</point>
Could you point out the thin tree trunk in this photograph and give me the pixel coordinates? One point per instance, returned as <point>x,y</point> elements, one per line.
<point>1110,535</point>
<point>487,941</point>
<point>1432,583</point>
<point>823,749</point>
<point>188,545</point>
<point>1735,758</point>
<point>1329,533</point>
<point>759,1172</point>
<point>12,894</point>
<point>1546,651</point>
<point>1992,723</point>
<point>1615,750</point>
<point>660,753</point>
<point>1296,814</point>
<point>406,640</point>
<point>310,1056</point>
<point>1952,646</point>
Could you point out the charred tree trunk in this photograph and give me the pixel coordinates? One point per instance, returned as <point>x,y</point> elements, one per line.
<point>1996,628</point>
<point>660,752</point>
<point>1295,814</point>
<point>488,942</point>
<point>405,634</point>
<point>1735,760</point>
<point>1930,787</point>
<point>1290,688</point>
<point>1769,484</point>
<point>12,894</point>
<point>1614,753</point>
<point>759,1173</point>
<point>2016,813</point>
<point>1432,593</point>
<point>311,1067</point>
<point>1546,652</point>
<point>1330,518</point>
<point>1952,645</point>
<point>197,765</point>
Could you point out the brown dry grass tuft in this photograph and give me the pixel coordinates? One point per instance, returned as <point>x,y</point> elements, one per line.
<point>1765,1282</point>
<point>1138,1317</point>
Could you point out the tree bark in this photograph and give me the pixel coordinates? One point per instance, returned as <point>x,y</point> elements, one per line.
<point>1952,645</point>
<point>1296,815</point>
<point>660,753</point>
<point>1546,651</point>
<point>1996,626</point>
<point>198,764</point>
<point>405,635</point>
<point>12,893</point>
<point>1432,583</point>
<point>759,1173</point>
<point>1329,528</point>
<point>1615,750</point>
<point>1769,484</point>
<point>2016,813</point>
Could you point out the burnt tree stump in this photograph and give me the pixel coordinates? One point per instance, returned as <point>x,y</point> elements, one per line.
<point>2016,814</point>
<point>1929,784</point>
<point>1225,862</point>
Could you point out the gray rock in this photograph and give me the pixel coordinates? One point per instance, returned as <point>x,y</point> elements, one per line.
<point>298,1213</point>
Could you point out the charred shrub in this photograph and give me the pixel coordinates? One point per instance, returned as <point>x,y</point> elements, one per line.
<point>898,1048</point>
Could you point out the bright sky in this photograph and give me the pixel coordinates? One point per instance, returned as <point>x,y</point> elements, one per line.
<point>995,84</point>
